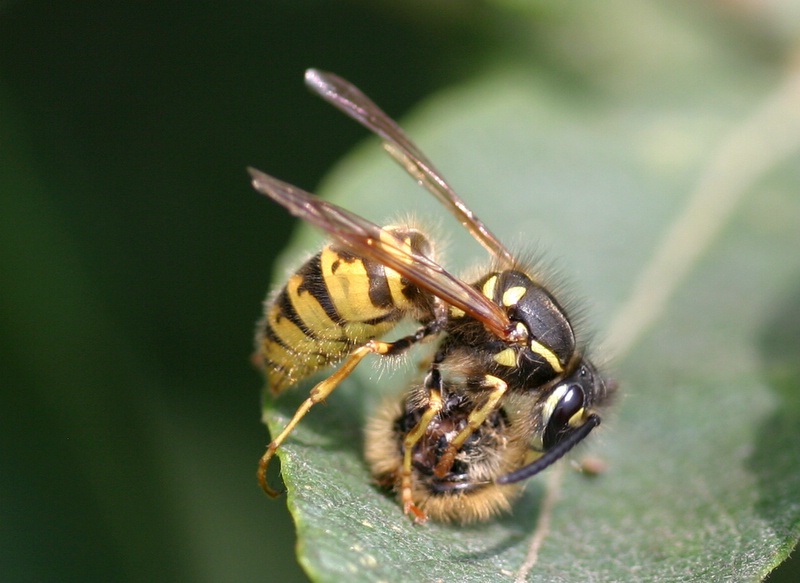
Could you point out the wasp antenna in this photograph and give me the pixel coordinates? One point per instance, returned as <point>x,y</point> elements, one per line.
<point>553,455</point>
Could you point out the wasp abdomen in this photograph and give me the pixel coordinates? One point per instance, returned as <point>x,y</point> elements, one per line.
<point>334,303</point>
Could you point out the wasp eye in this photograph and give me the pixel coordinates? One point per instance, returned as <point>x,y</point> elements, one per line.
<point>567,407</point>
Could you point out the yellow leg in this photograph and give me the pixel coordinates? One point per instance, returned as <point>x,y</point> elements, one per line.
<point>323,389</point>
<point>319,393</point>
<point>413,437</point>
<point>475,420</point>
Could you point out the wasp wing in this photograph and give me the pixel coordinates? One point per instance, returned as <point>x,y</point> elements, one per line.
<point>349,99</point>
<point>368,240</point>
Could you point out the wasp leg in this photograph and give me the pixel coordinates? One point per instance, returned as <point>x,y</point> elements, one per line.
<point>324,388</point>
<point>434,406</point>
<point>476,418</point>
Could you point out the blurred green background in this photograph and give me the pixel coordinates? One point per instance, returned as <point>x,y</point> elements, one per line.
<point>134,254</point>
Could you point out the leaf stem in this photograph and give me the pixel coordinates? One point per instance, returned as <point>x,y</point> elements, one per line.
<point>744,155</point>
<point>551,497</point>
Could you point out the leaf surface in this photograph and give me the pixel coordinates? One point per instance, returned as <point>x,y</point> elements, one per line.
<point>703,445</point>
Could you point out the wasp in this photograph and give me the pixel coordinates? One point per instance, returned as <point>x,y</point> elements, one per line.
<point>508,390</point>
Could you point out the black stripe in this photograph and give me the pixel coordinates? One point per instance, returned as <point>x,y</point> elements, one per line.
<point>287,311</point>
<point>314,283</point>
<point>388,317</point>
<point>379,292</point>
<point>269,334</point>
<point>278,367</point>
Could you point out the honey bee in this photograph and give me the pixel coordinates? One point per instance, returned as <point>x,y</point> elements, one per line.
<point>508,390</point>
<point>487,474</point>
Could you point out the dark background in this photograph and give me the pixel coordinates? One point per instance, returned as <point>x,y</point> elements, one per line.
<point>134,257</point>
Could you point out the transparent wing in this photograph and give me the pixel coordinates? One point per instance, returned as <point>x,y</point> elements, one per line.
<point>349,99</point>
<point>367,239</point>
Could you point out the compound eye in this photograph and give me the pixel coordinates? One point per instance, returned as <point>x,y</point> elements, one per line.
<point>558,426</point>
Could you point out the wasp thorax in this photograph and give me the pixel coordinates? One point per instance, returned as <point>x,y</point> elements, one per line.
<point>550,343</point>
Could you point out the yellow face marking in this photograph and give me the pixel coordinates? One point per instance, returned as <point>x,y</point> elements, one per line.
<point>507,357</point>
<point>513,295</point>
<point>488,287</point>
<point>552,401</point>
<point>577,419</point>
<point>548,355</point>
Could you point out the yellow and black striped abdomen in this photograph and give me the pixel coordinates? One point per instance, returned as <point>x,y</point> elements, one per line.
<point>334,303</point>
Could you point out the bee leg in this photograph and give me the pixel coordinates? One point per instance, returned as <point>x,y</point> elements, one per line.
<point>476,418</point>
<point>411,439</point>
<point>324,388</point>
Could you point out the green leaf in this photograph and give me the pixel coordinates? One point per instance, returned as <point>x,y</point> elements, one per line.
<point>703,446</point>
